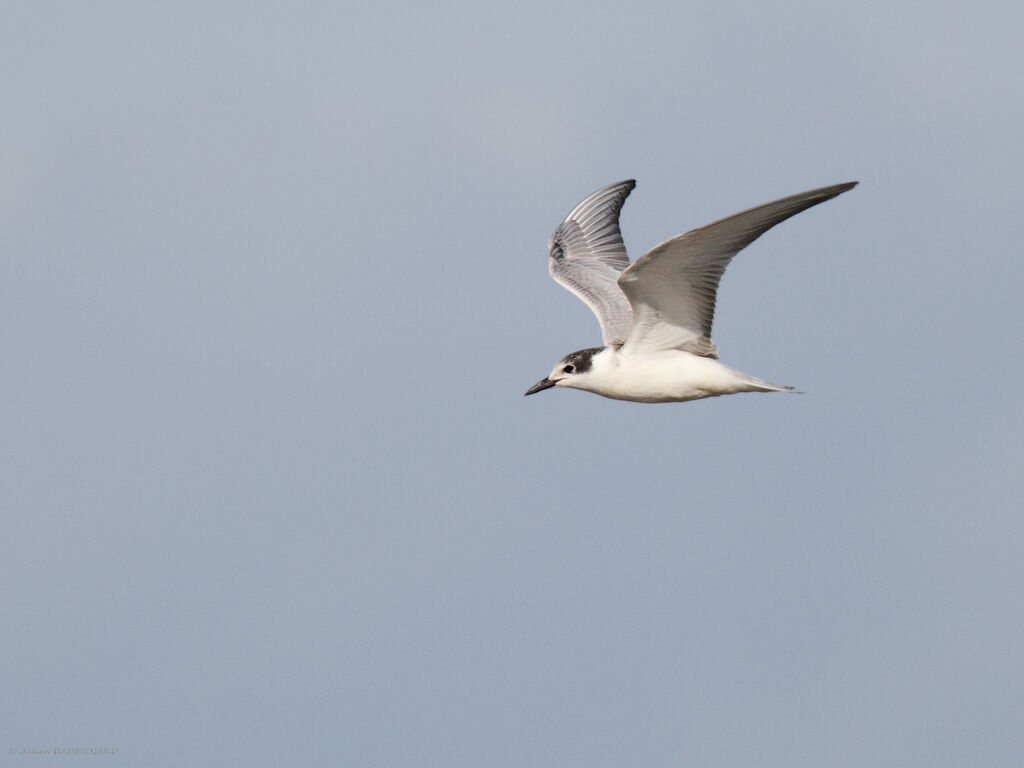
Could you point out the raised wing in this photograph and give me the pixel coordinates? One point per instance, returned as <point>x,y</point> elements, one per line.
<point>587,257</point>
<point>672,288</point>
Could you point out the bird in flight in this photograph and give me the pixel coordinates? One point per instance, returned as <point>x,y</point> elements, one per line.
<point>656,314</point>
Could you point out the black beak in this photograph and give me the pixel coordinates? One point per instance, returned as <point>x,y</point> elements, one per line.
<point>544,383</point>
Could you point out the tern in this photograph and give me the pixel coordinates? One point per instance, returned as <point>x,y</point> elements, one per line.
<point>656,314</point>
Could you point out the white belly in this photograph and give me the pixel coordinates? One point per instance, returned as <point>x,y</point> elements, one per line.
<point>670,376</point>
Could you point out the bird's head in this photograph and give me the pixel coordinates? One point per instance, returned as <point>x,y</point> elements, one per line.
<point>571,371</point>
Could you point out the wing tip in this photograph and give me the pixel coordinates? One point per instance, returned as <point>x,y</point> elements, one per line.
<point>846,186</point>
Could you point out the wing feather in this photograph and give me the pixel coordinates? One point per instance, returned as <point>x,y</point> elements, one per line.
<point>672,289</point>
<point>588,255</point>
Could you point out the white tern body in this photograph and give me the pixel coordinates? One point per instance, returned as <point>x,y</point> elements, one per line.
<point>656,314</point>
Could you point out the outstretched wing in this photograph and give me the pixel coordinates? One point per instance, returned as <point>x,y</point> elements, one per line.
<point>672,288</point>
<point>587,257</point>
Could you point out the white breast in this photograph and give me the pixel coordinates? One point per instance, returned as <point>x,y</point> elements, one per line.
<point>668,376</point>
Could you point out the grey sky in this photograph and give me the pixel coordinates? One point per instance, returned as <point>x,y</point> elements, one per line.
<point>273,280</point>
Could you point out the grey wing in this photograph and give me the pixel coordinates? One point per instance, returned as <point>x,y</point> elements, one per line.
<point>672,289</point>
<point>587,257</point>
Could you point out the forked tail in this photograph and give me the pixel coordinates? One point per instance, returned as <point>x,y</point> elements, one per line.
<point>760,385</point>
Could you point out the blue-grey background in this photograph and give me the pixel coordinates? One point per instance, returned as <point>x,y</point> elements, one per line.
<point>273,281</point>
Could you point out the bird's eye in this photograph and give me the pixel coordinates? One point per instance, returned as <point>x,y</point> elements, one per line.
<point>568,369</point>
